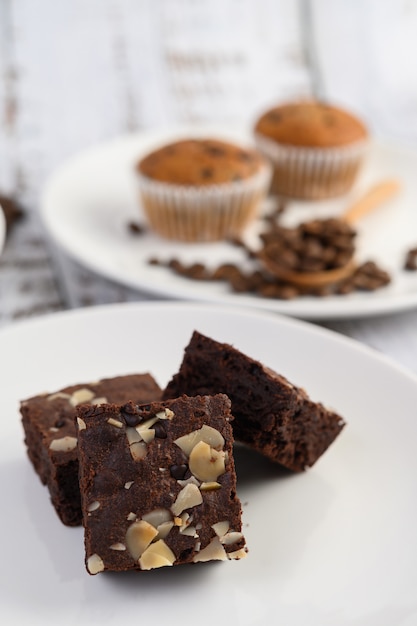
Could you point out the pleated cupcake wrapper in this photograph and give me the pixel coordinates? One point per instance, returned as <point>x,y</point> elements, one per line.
<point>312,173</point>
<point>204,213</point>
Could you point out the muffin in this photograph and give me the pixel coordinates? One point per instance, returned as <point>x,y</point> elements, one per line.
<point>202,189</point>
<point>316,149</point>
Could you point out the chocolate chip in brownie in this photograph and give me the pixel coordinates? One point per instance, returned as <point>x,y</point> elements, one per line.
<point>178,471</point>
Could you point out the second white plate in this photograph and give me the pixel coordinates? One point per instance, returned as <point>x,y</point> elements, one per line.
<point>89,202</point>
<point>333,546</point>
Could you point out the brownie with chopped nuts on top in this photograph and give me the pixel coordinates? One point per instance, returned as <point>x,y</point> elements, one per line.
<point>158,484</point>
<point>275,417</point>
<point>50,437</point>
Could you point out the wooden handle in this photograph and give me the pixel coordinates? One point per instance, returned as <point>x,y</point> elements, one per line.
<point>377,195</point>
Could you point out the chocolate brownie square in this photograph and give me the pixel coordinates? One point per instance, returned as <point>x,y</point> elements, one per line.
<point>50,437</point>
<point>275,417</point>
<point>158,484</point>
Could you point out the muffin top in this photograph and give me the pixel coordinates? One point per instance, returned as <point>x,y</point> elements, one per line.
<point>200,162</point>
<point>311,124</point>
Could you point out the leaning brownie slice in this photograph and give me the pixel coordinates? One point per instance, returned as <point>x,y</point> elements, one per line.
<point>158,484</point>
<point>50,437</point>
<point>272,415</point>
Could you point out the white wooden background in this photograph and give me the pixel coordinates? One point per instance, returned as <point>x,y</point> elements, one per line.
<point>75,72</point>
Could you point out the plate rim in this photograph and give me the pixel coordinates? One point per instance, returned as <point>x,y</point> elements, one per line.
<point>312,309</point>
<point>358,351</point>
<point>305,326</point>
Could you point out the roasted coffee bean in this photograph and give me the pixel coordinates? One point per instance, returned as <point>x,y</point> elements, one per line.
<point>176,265</point>
<point>225,271</point>
<point>280,291</point>
<point>411,260</point>
<point>369,277</point>
<point>197,271</point>
<point>136,228</point>
<point>239,283</point>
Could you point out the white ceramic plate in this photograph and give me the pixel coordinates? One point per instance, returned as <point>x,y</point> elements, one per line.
<point>334,545</point>
<point>89,201</point>
<point>2,229</point>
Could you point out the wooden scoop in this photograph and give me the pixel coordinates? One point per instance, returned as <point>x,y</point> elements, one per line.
<point>377,195</point>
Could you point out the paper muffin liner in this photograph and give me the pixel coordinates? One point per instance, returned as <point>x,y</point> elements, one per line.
<point>312,173</point>
<point>206,212</point>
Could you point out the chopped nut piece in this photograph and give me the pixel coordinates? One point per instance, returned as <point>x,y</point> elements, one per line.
<point>138,450</point>
<point>230,538</point>
<point>209,435</point>
<point>81,424</point>
<point>128,484</point>
<point>238,554</point>
<point>206,463</point>
<point>80,396</point>
<point>157,555</point>
<point>157,517</point>
<point>132,435</point>
<point>221,528</point>
<point>59,394</point>
<point>164,529</point>
<point>118,546</point>
<point>95,564</point>
<point>166,414</point>
<point>93,506</point>
<point>213,552</point>
<point>148,435</point>
<point>101,400</point>
<point>189,531</point>
<point>131,517</point>
<point>64,444</point>
<point>192,480</point>
<point>187,498</point>
<point>147,424</point>
<point>210,486</point>
<point>138,537</point>
<point>186,518</point>
<point>115,423</point>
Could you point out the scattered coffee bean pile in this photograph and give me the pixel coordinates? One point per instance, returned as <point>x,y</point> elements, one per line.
<point>312,246</point>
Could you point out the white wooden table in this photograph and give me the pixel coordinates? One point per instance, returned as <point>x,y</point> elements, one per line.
<point>78,71</point>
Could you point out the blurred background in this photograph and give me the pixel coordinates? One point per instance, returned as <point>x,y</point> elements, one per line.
<point>75,72</point>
